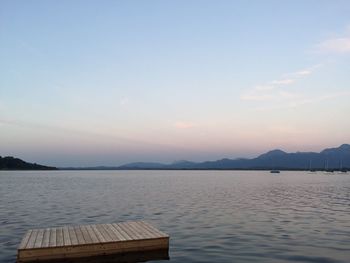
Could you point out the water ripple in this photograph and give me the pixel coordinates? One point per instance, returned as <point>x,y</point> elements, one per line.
<point>226,216</point>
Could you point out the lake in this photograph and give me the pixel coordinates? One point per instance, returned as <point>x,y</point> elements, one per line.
<point>211,216</point>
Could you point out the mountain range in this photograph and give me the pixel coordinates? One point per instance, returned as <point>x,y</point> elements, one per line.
<point>328,159</point>
<point>332,158</point>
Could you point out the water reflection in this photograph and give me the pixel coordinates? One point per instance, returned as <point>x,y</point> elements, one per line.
<point>133,257</point>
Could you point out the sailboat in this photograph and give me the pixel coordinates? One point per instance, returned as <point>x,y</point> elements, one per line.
<point>310,169</point>
<point>326,169</point>
<point>274,171</point>
<point>341,169</point>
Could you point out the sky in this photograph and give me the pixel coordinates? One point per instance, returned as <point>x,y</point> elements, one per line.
<point>87,83</point>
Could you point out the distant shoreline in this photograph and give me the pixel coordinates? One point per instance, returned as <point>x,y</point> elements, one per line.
<point>328,160</point>
<point>213,169</point>
<point>112,169</point>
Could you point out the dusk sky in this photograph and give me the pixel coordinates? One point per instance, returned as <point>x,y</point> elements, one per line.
<point>87,83</point>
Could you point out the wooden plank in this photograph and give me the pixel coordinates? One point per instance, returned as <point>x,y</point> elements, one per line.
<point>59,237</point>
<point>25,239</point>
<point>93,235</point>
<point>131,232</point>
<point>46,239</point>
<point>66,236</point>
<point>155,233</point>
<point>52,242</point>
<point>122,232</point>
<point>98,234</point>
<point>146,229</point>
<point>110,232</point>
<point>152,228</point>
<point>116,232</point>
<point>138,234</point>
<point>149,230</point>
<point>32,238</point>
<point>73,236</point>
<point>39,238</point>
<point>142,230</point>
<point>104,233</point>
<point>80,237</point>
<point>86,235</point>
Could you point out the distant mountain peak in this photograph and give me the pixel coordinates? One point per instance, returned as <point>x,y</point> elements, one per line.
<point>344,147</point>
<point>341,149</point>
<point>138,165</point>
<point>277,151</point>
<point>180,162</point>
<point>273,153</point>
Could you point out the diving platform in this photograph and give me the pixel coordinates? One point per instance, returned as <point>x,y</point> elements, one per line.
<point>69,242</point>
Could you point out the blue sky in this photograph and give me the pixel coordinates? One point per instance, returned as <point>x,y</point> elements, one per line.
<point>109,82</point>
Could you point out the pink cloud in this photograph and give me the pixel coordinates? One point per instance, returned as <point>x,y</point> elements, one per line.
<point>183,125</point>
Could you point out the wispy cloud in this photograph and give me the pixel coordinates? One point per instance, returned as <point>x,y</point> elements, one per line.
<point>271,90</point>
<point>184,125</point>
<point>254,95</point>
<point>276,95</point>
<point>324,97</point>
<point>264,87</point>
<point>303,72</point>
<point>282,82</point>
<point>335,45</point>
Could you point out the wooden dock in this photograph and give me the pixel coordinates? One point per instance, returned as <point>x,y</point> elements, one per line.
<point>90,240</point>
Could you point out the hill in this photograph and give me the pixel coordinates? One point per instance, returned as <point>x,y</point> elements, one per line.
<point>11,163</point>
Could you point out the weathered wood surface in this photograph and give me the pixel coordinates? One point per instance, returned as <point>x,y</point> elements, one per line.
<point>90,240</point>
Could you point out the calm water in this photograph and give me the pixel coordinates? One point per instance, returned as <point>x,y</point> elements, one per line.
<point>211,216</point>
